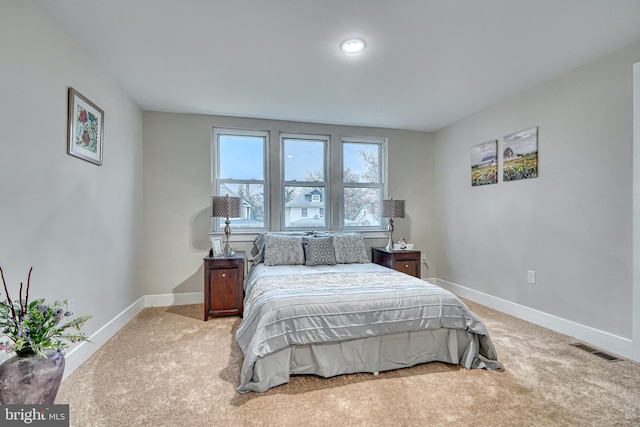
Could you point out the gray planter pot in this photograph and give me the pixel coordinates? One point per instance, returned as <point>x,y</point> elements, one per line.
<point>31,379</point>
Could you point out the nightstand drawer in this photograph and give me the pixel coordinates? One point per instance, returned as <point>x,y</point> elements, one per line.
<point>407,262</point>
<point>224,290</point>
<point>404,255</point>
<point>408,266</point>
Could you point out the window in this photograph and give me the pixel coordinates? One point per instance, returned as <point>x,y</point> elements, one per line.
<point>309,194</point>
<point>363,161</point>
<point>240,170</point>
<point>304,181</point>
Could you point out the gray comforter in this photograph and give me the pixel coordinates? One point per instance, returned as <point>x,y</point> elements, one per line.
<point>296,305</point>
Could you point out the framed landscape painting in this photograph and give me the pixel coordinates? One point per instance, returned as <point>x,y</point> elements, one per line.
<point>484,163</point>
<point>85,128</point>
<point>520,155</point>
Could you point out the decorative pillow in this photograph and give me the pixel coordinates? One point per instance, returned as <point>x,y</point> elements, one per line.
<point>258,250</point>
<point>349,248</point>
<point>318,251</point>
<point>283,250</point>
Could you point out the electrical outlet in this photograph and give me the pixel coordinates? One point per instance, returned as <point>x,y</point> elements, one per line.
<point>424,258</point>
<point>71,306</point>
<point>531,277</point>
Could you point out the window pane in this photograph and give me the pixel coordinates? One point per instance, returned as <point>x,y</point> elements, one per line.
<point>361,162</point>
<point>251,204</point>
<point>241,157</point>
<point>302,209</point>
<point>303,160</point>
<point>361,207</point>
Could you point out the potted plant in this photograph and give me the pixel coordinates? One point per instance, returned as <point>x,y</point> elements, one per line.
<point>38,333</point>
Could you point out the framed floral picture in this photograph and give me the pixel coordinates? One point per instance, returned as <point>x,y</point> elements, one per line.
<point>85,128</point>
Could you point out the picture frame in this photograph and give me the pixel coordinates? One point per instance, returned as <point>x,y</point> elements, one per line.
<point>520,155</point>
<point>85,128</point>
<point>216,246</point>
<point>484,163</point>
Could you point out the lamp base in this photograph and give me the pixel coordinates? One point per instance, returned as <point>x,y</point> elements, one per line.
<point>390,230</point>
<point>227,231</point>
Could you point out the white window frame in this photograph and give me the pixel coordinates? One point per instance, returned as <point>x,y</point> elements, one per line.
<point>382,182</point>
<point>326,184</point>
<point>215,181</point>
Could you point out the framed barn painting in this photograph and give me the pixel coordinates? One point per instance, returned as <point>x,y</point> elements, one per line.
<point>520,155</point>
<point>484,163</point>
<point>85,128</point>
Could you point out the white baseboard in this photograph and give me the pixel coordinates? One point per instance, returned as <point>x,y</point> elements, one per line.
<point>604,340</point>
<point>165,300</point>
<point>83,351</point>
<point>611,343</point>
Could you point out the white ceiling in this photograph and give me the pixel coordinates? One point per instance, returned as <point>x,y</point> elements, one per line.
<point>428,63</point>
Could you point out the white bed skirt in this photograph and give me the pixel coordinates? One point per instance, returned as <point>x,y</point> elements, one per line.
<point>371,354</point>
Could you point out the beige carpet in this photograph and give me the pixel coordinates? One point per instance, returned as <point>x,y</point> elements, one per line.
<point>169,368</point>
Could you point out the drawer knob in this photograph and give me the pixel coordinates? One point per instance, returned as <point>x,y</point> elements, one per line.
<point>406,266</point>
<point>224,274</point>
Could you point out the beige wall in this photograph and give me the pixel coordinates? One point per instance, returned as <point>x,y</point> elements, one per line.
<point>177,184</point>
<point>572,224</point>
<point>78,224</point>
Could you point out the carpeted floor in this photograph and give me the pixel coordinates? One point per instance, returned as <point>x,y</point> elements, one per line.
<point>169,368</point>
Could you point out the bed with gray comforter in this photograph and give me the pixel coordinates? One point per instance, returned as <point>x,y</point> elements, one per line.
<point>330,320</point>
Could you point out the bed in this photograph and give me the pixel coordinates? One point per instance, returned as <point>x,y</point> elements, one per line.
<point>314,304</point>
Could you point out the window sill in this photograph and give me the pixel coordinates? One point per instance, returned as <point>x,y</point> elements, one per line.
<point>237,236</point>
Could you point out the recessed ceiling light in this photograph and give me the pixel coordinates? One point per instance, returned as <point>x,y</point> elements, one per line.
<point>353,46</point>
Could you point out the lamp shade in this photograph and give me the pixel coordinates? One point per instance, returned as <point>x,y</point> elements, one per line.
<point>393,208</point>
<point>225,206</point>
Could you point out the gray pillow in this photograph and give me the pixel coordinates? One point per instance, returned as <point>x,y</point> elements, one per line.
<point>349,248</point>
<point>258,250</point>
<point>318,251</point>
<point>283,250</point>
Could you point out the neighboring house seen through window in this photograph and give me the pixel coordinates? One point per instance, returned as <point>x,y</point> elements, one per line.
<point>239,169</point>
<point>308,196</point>
<point>305,180</point>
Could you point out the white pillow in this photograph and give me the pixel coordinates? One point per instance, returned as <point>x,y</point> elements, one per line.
<point>349,248</point>
<point>283,250</point>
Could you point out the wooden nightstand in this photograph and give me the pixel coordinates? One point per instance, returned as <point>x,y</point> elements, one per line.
<point>407,261</point>
<point>223,285</point>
